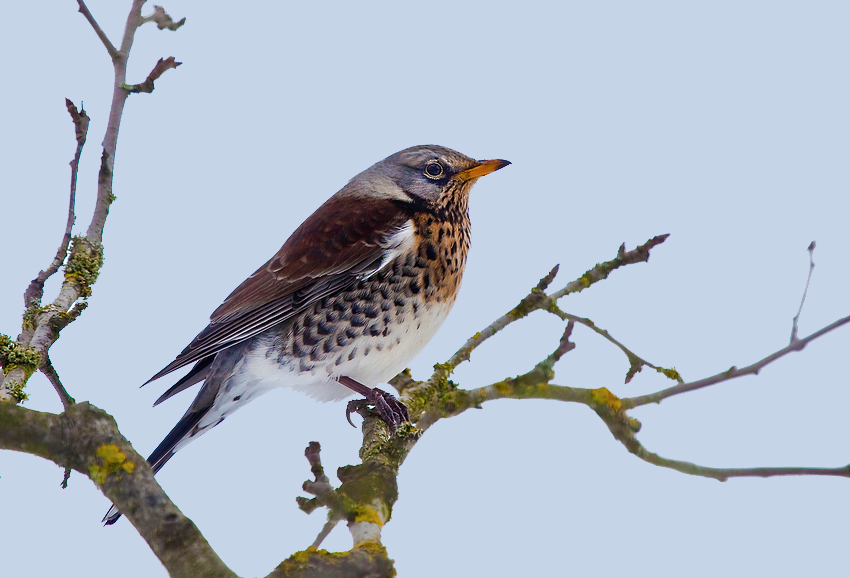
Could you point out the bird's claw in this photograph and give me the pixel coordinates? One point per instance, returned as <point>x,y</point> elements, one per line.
<point>390,410</point>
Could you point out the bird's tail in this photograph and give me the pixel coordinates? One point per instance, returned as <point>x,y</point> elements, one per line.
<point>167,448</point>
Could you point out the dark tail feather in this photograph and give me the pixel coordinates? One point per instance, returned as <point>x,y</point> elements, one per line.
<point>164,451</point>
<point>198,373</point>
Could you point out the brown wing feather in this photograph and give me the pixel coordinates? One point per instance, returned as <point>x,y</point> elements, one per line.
<point>344,238</point>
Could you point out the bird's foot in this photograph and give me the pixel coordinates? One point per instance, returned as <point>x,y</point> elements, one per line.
<point>390,410</point>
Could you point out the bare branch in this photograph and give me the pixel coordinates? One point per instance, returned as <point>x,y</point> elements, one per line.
<point>159,68</point>
<point>84,10</point>
<point>35,291</point>
<point>732,372</point>
<point>50,372</point>
<point>811,251</point>
<point>636,362</point>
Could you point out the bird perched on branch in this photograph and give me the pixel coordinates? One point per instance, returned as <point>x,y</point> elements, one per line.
<point>351,297</point>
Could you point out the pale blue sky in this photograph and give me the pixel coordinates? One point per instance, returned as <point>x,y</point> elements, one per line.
<point>723,123</point>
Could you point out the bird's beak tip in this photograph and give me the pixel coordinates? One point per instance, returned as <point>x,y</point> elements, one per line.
<point>484,168</point>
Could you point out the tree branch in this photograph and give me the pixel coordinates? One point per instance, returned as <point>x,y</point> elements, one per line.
<point>537,299</point>
<point>733,371</point>
<point>84,10</point>
<point>86,439</point>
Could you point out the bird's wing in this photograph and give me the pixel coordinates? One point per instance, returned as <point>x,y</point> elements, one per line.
<point>342,241</point>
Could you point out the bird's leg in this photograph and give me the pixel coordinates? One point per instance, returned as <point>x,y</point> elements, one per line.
<point>392,411</point>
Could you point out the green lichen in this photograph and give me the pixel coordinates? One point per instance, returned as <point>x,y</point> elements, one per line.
<point>31,314</point>
<point>113,461</point>
<point>84,262</point>
<point>670,373</point>
<point>16,390</point>
<point>15,355</point>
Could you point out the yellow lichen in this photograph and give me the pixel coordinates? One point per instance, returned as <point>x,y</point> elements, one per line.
<point>602,396</point>
<point>365,514</point>
<point>113,461</point>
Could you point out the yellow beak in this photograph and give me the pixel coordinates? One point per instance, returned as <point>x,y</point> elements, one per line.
<point>482,168</point>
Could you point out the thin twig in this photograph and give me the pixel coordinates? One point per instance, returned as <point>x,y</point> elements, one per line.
<point>537,299</point>
<point>723,474</point>
<point>50,372</point>
<point>35,291</point>
<point>732,372</point>
<point>811,251</point>
<point>113,52</point>
<point>326,530</point>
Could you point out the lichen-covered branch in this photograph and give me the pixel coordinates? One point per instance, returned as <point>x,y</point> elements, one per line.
<point>537,299</point>
<point>42,324</point>
<point>86,439</point>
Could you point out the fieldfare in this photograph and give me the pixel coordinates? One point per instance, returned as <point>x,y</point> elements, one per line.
<point>351,297</point>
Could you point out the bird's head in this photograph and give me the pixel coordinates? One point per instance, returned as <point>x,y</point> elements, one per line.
<point>427,175</point>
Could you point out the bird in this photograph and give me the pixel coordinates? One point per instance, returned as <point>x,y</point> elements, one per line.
<point>349,300</point>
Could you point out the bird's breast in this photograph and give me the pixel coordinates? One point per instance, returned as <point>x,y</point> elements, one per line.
<point>372,330</point>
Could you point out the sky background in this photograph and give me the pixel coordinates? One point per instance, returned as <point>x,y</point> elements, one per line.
<point>725,124</point>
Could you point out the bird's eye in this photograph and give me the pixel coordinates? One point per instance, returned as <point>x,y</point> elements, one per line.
<point>434,170</point>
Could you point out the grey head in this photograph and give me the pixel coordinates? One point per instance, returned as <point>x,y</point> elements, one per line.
<point>430,175</point>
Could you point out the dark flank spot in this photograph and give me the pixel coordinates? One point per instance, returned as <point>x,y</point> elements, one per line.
<point>351,333</point>
<point>356,307</point>
<point>309,321</point>
<point>366,351</point>
<point>407,271</point>
<point>440,235</point>
<point>455,262</point>
<point>387,320</point>
<point>398,340</point>
<point>454,248</point>
<point>296,327</point>
<point>339,305</point>
<point>349,297</point>
<point>426,280</point>
<point>409,260</point>
<point>386,331</point>
<point>328,345</point>
<point>439,298</point>
<point>353,354</point>
<point>430,252</point>
<point>308,338</point>
<point>297,351</point>
<point>237,398</point>
<point>338,360</point>
<point>421,263</point>
<point>386,306</point>
<point>395,279</point>
<point>326,302</point>
<point>385,292</point>
<point>418,326</point>
<point>396,268</point>
<point>373,330</point>
<point>332,316</point>
<point>304,366</point>
<point>358,321</point>
<point>341,340</point>
<point>371,311</point>
<point>379,347</point>
<point>400,301</point>
<point>315,355</point>
<point>415,287</point>
<point>323,328</point>
<point>429,222</point>
<point>415,309</point>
